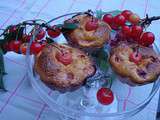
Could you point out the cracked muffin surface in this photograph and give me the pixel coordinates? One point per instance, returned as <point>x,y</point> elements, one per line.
<point>146,71</point>
<point>59,73</point>
<point>82,38</point>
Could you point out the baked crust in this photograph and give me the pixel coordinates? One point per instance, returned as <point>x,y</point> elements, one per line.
<point>146,71</point>
<point>87,39</point>
<point>59,76</point>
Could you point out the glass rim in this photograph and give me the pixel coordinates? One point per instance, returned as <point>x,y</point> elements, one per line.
<point>119,115</point>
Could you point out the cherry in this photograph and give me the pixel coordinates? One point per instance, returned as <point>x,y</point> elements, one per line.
<point>126,13</point>
<point>114,26</point>
<point>147,38</point>
<point>126,30</point>
<point>91,25</point>
<point>41,34</point>
<point>134,19</point>
<point>6,46</point>
<point>108,18</point>
<point>13,29</point>
<point>105,96</point>
<point>135,57</point>
<point>136,32</point>
<point>54,33</point>
<point>65,57</point>
<point>36,47</point>
<point>26,37</point>
<point>43,43</point>
<point>119,20</point>
<point>23,48</point>
<point>14,45</point>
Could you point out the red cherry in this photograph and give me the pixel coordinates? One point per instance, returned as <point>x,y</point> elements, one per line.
<point>136,32</point>
<point>23,48</point>
<point>26,38</point>
<point>147,38</point>
<point>119,20</point>
<point>105,96</point>
<point>91,25</point>
<point>126,30</point>
<point>108,18</point>
<point>126,13</point>
<point>54,33</point>
<point>13,29</point>
<point>14,45</point>
<point>64,57</point>
<point>114,26</point>
<point>6,46</point>
<point>135,57</point>
<point>40,35</point>
<point>134,19</point>
<point>43,43</point>
<point>36,47</point>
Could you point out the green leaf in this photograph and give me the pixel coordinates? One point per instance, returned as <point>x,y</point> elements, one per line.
<point>115,12</point>
<point>99,14</point>
<point>1,82</point>
<point>69,26</point>
<point>2,70</point>
<point>49,40</point>
<point>113,76</point>
<point>59,25</point>
<point>101,58</point>
<point>1,62</point>
<point>104,65</point>
<point>2,41</point>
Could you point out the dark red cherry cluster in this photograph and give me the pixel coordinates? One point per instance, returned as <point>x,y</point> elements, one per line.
<point>128,26</point>
<point>20,44</point>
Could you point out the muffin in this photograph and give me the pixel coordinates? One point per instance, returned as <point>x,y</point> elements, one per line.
<point>62,67</point>
<point>144,71</point>
<point>84,37</point>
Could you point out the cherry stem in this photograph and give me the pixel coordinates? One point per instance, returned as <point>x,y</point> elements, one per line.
<point>148,20</point>
<point>58,49</point>
<point>63,16</point>
<point>144,22</point>
<point>17,35</point>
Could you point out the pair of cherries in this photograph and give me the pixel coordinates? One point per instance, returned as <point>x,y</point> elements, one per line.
<point>136,33</point>
<point>17,46</point>
<point>121,19</point>
<point>21,45</point>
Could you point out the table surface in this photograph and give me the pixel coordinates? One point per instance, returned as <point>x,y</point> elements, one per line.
<point>21,102</point>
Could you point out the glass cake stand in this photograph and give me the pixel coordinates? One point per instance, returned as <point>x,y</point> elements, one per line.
<point>82,104</point>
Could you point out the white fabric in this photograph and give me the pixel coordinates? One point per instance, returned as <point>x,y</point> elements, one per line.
<point>21,102</point>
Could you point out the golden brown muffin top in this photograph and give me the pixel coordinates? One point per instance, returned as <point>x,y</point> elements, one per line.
<point>83,38</point>
<point>147,70</point>
<point>60,75</point>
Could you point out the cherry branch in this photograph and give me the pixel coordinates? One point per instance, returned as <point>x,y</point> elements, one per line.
<point>148,20</point>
